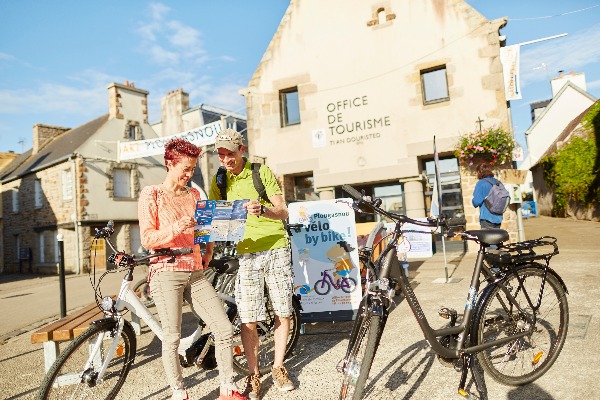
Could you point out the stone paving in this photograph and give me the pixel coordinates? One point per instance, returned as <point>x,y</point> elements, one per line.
<point>404,367</point>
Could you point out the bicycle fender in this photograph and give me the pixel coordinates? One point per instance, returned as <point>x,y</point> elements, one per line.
<point>485,293</point>
<point>297,301</point>
<point>110,323</point>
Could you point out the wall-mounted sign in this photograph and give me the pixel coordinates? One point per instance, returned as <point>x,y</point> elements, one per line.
<point>319,138</point>
<point>346,124</point>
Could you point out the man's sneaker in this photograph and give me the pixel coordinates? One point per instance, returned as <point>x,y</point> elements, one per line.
<point>180,394</point>
<point>252,390</point>
<point>281,379</point>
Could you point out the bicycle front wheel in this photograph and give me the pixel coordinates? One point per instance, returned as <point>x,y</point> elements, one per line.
<point>523,360</point>
<point>361,352</point>
<point>266,340</point>
<point>69,378</point>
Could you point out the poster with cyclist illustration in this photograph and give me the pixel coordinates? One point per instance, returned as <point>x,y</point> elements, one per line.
<point>325,259</point>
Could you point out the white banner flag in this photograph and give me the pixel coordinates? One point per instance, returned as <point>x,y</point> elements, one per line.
<point>201,136</point>
<point>509,56</point>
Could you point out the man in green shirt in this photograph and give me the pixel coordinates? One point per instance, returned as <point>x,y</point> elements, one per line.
<point>264,255</point>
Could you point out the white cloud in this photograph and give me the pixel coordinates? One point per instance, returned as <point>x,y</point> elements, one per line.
<point>169,42</point>
<point>7,57</point>
<point>86,98</point>
<point>568,53</point>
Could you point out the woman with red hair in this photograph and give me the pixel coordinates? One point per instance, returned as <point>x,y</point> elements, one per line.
<point>166,216</point>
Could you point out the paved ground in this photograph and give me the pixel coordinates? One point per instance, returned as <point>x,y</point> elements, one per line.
<point>404,367</point>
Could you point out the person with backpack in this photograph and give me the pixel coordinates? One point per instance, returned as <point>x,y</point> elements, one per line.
<point>490,197</point>
<point>264,254</point>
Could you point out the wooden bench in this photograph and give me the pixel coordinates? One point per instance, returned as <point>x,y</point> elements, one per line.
<point>68,328</point>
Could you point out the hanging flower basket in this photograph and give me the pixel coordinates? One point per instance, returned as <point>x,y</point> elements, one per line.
<point>491,145</point>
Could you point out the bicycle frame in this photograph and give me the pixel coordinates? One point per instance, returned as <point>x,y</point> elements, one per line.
<point>127,299</point>
<point>431,334</point>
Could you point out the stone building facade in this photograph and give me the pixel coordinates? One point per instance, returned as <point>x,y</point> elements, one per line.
<point>362,106</point>
<point>71,182</point>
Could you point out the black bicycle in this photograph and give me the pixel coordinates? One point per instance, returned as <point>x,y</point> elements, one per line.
<point>516,325</point>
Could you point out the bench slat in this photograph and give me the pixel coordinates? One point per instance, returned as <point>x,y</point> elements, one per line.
<point>46,333</point>
<point>65,332</point>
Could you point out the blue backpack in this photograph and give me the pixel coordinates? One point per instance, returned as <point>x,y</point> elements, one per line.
<point>498,198</point>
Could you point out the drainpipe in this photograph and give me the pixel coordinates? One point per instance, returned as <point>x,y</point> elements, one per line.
<point>76,214</point>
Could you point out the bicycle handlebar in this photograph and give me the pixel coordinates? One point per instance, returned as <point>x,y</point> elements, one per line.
<point>360,199</point>
<point>120,258</point>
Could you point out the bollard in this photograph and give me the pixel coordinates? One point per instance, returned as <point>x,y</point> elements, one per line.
<point>61,275</point>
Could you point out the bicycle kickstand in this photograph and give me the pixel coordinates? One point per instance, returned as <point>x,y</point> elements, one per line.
<point>467,364</point>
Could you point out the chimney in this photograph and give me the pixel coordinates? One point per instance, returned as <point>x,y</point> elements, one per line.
<point>44,134</point>
<point>173,105</point>
<point>577,79</point>
<point>127,102</point>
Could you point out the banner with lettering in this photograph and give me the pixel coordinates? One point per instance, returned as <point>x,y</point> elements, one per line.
<point>201,136</point>
<point>509,57</point>
<point>325,259</point>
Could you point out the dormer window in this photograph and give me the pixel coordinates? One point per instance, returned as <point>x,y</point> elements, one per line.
<point>133,131</point>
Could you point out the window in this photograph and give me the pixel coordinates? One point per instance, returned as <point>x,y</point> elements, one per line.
<point>67,185</point>
<point>381,18</point>
<point>15,200</point>
<point>48,247</point>
<point>392,197</point>
<point>122,182</point>
<point>452,200</point>
<point>290,107</point>
<point>38,193</point>
<point>304,188</point>
<point>132,130</point>
<point>435,85</point>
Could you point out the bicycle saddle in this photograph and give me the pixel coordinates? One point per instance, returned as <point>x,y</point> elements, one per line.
<point>489,236</point>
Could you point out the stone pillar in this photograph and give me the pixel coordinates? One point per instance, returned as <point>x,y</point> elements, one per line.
<point>414,198</point>
<point>327,193</point>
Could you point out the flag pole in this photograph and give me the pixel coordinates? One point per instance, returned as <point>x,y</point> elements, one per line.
<point>438,183</point>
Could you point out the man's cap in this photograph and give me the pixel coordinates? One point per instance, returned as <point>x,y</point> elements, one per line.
<point>229,139</point>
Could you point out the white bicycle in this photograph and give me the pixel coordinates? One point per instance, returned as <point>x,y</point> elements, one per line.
<point>96,363</point>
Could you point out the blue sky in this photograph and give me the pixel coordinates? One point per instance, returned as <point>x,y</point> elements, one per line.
<point>57,58</point>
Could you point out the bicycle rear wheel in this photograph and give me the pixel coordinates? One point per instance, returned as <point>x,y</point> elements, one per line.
<point>68,378</point>
<point>523,360</point>
<point>266,345</point>
<point>361,352</point>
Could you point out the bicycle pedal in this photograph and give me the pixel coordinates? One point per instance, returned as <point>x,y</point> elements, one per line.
<point>466,395</point>
<point>447,313</point>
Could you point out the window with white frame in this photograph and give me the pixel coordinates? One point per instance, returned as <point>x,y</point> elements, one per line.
<point>290,107</point>
<point>67,185</point>
<point>15,200</point>
<point>122,182</point>
<point>38,193</point>
<point>434,84</point>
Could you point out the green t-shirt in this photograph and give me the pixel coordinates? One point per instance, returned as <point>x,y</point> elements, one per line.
<point>261,233</point>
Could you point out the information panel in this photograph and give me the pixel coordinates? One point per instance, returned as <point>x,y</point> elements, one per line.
<point>325,258</point>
